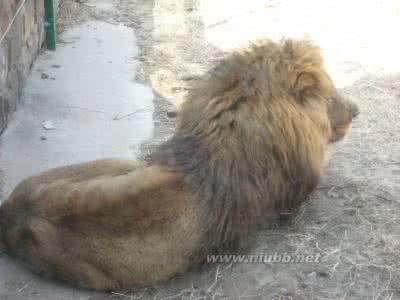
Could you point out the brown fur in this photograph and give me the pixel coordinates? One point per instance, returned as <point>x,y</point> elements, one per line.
<point>251,141</point>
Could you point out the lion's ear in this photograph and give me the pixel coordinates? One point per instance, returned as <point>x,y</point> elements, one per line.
<point>305,81</point>
<point>312,82</point>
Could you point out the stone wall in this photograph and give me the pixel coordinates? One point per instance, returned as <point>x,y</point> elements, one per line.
<point>18,50</point>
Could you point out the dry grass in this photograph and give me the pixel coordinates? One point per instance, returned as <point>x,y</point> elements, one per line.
<point>71,12</point>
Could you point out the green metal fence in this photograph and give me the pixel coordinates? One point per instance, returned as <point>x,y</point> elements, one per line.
<point>50,24</point>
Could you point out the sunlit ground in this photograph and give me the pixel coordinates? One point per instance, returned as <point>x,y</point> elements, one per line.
<point>358,37</point>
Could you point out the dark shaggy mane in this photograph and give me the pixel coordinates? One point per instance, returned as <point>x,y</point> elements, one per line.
<point>245,145</point>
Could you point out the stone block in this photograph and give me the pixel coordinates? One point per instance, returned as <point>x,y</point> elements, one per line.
<point>18,50</point>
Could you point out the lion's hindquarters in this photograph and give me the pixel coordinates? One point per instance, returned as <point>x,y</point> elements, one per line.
<point>39,245</point>
<point>104,232</point>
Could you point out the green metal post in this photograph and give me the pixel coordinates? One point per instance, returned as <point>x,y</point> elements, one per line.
<point>50,24</point>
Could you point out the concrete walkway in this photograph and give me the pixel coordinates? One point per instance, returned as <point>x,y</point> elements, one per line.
<point>80,103</point>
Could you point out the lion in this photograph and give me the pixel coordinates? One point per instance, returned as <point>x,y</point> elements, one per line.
<point>251,141</point>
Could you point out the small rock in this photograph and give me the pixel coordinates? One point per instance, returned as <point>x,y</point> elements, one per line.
<point>312,275</point>
<point>44,76</point>
<point>56,66</point>
<point>48,125</point>
<point>43,138</point>
<point>315,279</point>
<point>284,291</point>
<point>52,78</point>
<point>310,280</point>
<point>172,114</point>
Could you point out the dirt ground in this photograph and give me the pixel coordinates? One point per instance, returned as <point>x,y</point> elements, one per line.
<point>351,220</point>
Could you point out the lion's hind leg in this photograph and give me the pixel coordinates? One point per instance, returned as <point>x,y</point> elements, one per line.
<point>35,241</point>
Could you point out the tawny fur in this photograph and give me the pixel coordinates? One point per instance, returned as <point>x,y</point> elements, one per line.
<point>250,143</point>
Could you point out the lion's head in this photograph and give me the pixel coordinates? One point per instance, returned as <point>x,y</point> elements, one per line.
<point>253,134</point>
<point>304,75</point>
